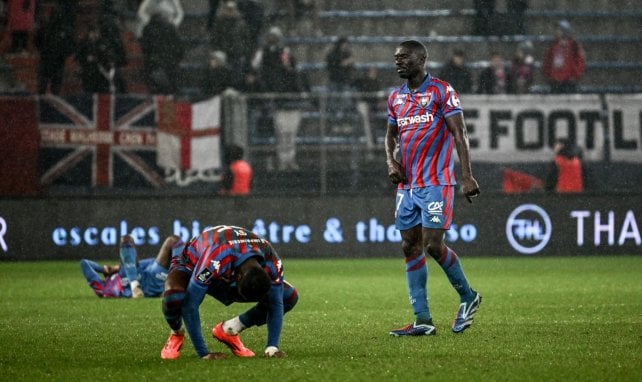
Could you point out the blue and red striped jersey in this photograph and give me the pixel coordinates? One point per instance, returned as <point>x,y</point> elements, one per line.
<point>218,251</point>
<point>425,143</point>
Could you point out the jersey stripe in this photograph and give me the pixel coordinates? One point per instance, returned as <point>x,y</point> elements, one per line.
<point>426,144</point>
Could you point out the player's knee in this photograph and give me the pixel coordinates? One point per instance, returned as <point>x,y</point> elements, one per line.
<point>173,285</point>
<point>434,249</point>
<point>84,263</point>
<point>410,249</point>
<point>290,298</point>
<point>171,241</point>
<point>176,280</point>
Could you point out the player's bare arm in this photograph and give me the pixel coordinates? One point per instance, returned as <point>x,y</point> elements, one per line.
<point>395,171</point>
<point>457,127</point>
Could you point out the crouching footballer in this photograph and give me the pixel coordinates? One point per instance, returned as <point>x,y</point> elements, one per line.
<point>231,264</point>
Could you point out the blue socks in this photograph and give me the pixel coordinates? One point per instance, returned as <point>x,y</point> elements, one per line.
<point>128,260</point>
<point>417,276</point>
<point>173,307</point>
<point>449,262</point>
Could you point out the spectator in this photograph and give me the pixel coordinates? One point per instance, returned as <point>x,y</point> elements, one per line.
<point>237,179</point>
<point>276,65</point>
<point>20,23</point>
<point>522,70</point>
<point>369,104</point>
<point>515,11</point>
<point>162,52</point>
<point>494,79</point>
<point>110,31</point>
<point>171,9</point>
<point>251,82</point>
<point>230,35</point>
<point>456,73</point>
<point>340,65</point>
<point>97,60</point>
<point>278,73</point>
<point>55,42</point>
<point>484,21</point>
<point>211,14</point>
<point>566,173</point>
<point>218,76</point>
<point>253,12</point>
<point>370,82</point>
<point>305,16</point>
<point>564,60</point>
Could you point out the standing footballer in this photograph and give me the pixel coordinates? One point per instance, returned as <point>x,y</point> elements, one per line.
<point>425,122</point>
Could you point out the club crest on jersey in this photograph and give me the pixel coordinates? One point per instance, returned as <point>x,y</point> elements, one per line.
<point>424,99</point>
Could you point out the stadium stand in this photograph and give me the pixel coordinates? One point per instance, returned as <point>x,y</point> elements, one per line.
<point>614,63</point>
<point>608,30</point>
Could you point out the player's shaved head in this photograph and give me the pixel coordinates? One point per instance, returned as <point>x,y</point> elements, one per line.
<point>254,283</point>
<point>416,47</point>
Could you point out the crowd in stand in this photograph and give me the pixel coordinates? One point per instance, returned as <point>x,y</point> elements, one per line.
<point>248,55</point>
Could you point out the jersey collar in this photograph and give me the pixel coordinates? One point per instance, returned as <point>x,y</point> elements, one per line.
<point>422,88</point>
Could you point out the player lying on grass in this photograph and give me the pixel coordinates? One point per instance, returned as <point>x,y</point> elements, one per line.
<point>231,264</point>
<point>131,278</point>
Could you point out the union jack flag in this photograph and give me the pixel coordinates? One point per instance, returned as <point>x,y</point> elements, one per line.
<point>101,140</point>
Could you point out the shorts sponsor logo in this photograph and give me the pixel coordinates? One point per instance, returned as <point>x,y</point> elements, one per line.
<point>436,208</point>
<point>435,219</point>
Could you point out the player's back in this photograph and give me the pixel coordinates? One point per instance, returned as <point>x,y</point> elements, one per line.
<point>226,246</point>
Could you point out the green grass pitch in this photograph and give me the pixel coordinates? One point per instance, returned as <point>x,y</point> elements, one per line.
<point>541,319</point>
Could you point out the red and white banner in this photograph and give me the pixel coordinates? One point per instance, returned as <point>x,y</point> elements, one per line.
<point>189,135</point>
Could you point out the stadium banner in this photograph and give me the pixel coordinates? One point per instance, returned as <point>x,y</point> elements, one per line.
<point>309,227</point>
<point>99,141</point>
<point>625,113</point>
<point>106,140</point>
<point>189,139</point>
<point>524,128</point>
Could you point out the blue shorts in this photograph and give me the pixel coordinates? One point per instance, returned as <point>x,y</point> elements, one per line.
<point>152,277</point>
<point>431,206</point>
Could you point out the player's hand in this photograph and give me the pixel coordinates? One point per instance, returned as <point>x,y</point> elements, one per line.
<point>273,351</point>
<point>395,172</point>
<point>109,270</point>
<point>215,355</point>
<point>470,188</point>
